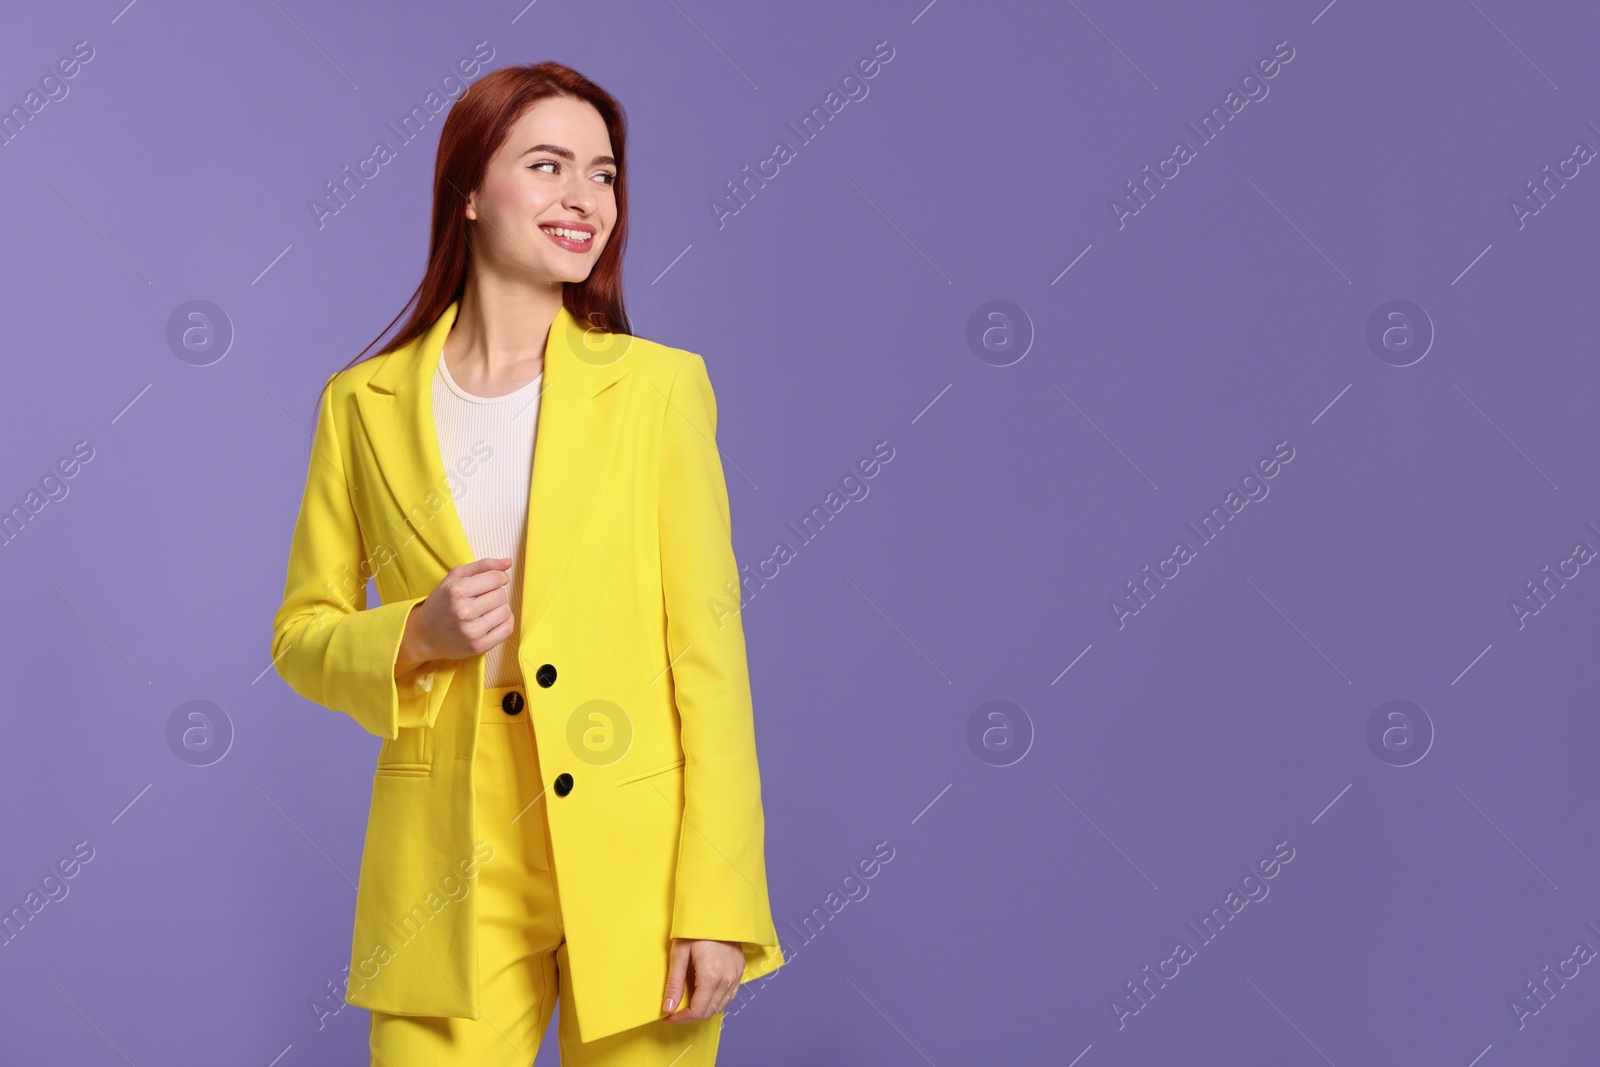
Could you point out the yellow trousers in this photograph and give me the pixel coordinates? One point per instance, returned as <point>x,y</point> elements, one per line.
<point>522,950</point>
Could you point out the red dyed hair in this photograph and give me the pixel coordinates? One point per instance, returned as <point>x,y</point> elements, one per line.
<point>474,130</point>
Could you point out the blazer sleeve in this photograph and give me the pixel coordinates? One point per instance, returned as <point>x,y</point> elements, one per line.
<point>326,643</point>
<point>721,890</point>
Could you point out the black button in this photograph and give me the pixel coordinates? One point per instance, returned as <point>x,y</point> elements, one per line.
<point>563,784</point>
<point>546,676</point>
<point>511,703</point>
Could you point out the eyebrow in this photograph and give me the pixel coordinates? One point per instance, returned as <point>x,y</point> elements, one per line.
<point>565,153</point>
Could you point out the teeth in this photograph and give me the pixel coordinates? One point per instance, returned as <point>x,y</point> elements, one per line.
<point>574,235</point>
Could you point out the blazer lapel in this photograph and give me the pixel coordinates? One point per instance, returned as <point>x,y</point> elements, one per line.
<point>397,415</point>
<point>580,420</point>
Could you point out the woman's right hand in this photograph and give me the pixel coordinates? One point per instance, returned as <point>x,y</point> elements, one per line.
<point>468,613</point>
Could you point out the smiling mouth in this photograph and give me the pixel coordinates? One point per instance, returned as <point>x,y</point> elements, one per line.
<point>573,240</point>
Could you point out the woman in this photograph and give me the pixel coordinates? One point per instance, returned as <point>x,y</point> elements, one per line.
<point>567,801</point>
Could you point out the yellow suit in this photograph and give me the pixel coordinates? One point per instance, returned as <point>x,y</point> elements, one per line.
<point>631,647</point>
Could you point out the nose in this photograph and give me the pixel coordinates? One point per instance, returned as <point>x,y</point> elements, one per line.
<point>579,195</point>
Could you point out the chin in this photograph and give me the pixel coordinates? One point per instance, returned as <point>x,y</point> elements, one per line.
<point>565,272</point>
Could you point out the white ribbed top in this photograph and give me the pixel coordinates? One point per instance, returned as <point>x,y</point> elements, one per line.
<point>486,443</point>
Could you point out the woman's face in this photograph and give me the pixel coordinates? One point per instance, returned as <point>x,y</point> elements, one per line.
<point>547,204</point>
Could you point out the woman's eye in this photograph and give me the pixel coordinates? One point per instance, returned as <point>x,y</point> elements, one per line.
<point>607,177</point>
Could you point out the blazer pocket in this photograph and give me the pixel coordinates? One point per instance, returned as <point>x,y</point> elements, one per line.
<point>410,755</point>
<point>635,779</point>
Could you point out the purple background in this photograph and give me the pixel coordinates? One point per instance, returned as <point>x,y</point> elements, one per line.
<point>833,309</point>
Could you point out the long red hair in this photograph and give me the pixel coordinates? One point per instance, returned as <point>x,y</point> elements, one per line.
<point>474,130</point>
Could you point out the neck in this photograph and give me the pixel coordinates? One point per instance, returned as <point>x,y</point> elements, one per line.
<point>500,331</point>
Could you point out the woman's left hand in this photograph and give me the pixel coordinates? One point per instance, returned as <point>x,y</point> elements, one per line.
<point>718,966</point>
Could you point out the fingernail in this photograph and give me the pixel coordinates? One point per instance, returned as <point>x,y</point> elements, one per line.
<point>668,1005</point>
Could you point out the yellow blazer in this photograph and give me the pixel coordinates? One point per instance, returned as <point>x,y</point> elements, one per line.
<point>630,593</point>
